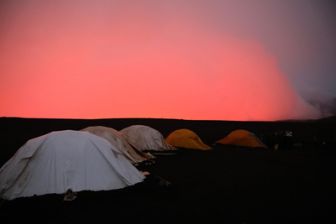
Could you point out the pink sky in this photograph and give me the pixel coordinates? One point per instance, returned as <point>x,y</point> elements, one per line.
<point>107,59</point>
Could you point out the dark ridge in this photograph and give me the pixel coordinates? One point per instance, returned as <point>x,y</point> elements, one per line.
<point>230,184</point>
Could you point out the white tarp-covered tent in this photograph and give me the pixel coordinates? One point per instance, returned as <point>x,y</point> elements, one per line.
<point>117,140</point>
<point>145,138</point>
<point>65,160</point>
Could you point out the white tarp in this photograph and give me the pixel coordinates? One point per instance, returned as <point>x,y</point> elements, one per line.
<point>145,138</point>
<point>117,140</point>
<point>63,160</point>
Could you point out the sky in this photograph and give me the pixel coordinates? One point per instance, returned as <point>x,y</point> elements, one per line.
<point>192,59</point>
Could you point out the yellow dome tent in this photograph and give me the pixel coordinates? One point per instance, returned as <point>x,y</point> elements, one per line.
<point>242,137</point>
<point>186,138</point>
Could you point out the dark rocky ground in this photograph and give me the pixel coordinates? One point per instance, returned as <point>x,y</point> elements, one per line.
<point>293,184</point>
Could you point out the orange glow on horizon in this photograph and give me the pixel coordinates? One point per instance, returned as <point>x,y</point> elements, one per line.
<point>138,68</point>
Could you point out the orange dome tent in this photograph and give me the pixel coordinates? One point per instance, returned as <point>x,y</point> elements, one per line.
<point>186,138</point>
<point>242,137</point>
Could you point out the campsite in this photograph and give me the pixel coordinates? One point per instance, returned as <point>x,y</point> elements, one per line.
<point>290,180</point>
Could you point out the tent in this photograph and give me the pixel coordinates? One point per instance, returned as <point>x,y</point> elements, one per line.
<point>116,139</point>
<point>145,138</point>
<point>186,138</point>
<point>241,137</point>
<point>60,161</point>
